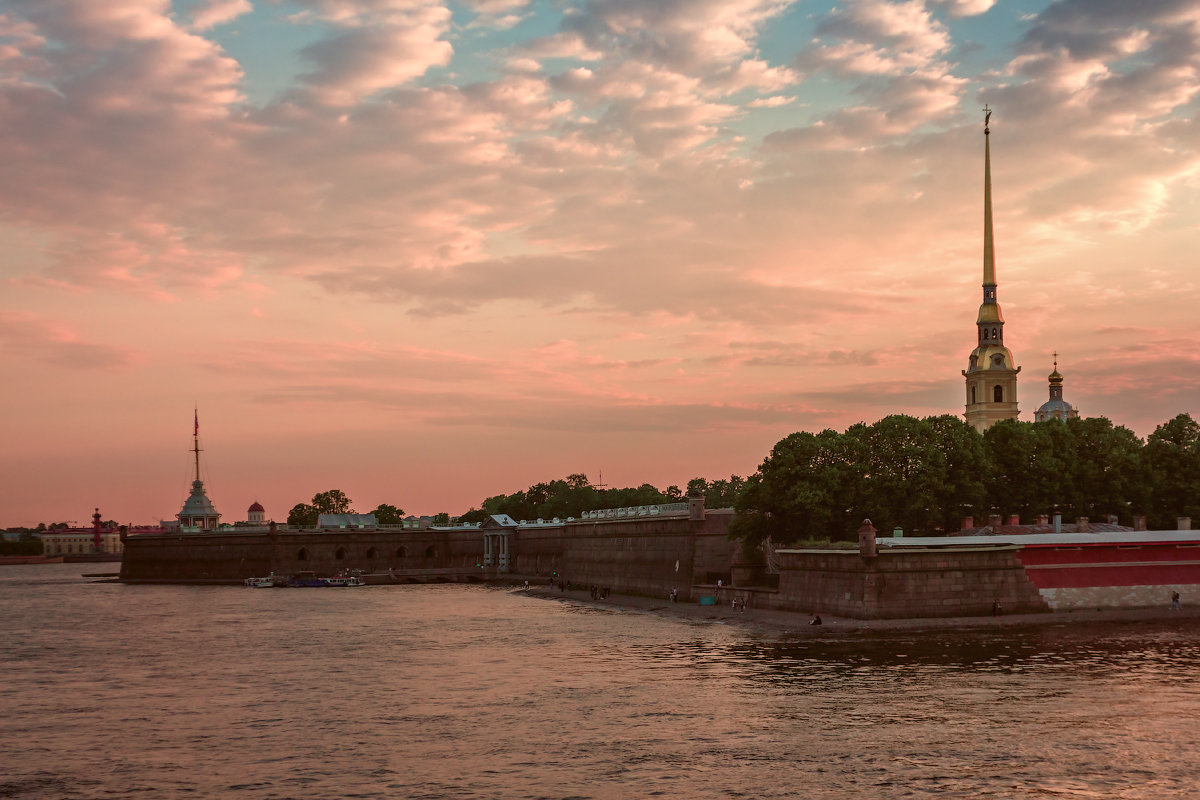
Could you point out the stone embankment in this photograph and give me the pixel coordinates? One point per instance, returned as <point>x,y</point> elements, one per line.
<point>793,623</point>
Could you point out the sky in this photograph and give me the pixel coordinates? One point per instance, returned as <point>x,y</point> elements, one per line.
<point>429,251</point>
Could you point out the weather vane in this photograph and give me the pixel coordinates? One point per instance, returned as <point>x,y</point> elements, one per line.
<point>987,117</point>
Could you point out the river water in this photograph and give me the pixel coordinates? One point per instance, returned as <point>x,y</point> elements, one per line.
<point>476,692</point>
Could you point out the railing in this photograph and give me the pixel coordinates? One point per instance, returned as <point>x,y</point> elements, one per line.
<point>655,510</point>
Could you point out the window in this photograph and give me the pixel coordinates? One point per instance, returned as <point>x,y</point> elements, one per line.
<point>302,555</point>
<point>972,394</point>
<point>994,336</point>
<point>998,394</point>
<point>985,334</point>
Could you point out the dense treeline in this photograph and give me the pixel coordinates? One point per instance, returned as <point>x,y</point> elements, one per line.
<point>925,475</point>
<point>575,494</point>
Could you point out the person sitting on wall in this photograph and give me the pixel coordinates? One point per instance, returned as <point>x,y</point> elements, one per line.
<point>816,620</point>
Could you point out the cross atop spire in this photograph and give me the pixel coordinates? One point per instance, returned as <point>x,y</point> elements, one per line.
<point>987,117</point>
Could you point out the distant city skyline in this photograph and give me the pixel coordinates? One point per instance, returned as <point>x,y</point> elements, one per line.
<point>426,252</point>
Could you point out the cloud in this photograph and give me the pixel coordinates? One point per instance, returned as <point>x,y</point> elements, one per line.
<point>218,12</point>
<point>25,335</point>
<point>377,46</point>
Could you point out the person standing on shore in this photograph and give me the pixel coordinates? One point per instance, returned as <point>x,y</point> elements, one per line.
<point>1175,606</point>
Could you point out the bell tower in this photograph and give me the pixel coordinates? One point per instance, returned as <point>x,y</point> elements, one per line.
<point>991,374</point>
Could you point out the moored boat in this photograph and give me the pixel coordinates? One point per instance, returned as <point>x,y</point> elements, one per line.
<point>261,583</point>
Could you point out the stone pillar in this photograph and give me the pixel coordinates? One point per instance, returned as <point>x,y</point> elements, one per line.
<point>1042,519</point>
<point>866,540</point>
<point>1183,523</point>
<point>696,507</point>
<point>1139,522</point>
<point>487,550</point>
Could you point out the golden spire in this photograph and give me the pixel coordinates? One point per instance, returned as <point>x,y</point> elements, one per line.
<point>989,253</point>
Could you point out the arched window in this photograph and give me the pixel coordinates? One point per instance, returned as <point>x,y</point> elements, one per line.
<point>302,555</point>
<point>994,336</point>
<point>998,394</point>
<point>372,553</point>
<point>340,554</point>
<point>972,394</point>
<point>431,552</point>
<point>985,334</point>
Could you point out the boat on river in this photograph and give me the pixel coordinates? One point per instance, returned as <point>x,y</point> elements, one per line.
<point>261,583</point>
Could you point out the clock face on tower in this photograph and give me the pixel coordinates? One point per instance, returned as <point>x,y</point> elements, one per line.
<point>997,360</point>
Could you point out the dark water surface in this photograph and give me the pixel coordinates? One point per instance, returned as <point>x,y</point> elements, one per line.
<point>472,692</point>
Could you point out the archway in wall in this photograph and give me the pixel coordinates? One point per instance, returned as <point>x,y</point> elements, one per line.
<point>372,553</point>
<point>340,554</point>
<point>401,552</point>
<point>431,552</point>
<point>302,555</point>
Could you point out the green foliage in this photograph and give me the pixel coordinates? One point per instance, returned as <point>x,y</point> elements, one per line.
<point>1172,464</point>
<point>388,515</point>
<point>575,494</point>
<point>924,475</point>
<point>333,501</point>
<point>302,515</point>
<point>441,518</point>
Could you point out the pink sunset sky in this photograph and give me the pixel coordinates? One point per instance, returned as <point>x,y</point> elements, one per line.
<point>427,252</point>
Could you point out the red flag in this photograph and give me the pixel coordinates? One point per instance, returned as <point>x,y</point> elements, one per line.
<point>196,430</point>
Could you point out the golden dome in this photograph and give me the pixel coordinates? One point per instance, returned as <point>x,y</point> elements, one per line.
<point>990,312</point>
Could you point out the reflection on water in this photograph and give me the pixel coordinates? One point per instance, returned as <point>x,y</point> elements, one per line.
<point>448,691</point>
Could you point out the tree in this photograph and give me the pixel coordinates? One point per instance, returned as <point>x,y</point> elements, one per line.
<point>800,491</point>
<point>1172,462</point>
<point>388,515</point>
<point>333,501</point>
<point>441,518</point>
<point>302,515</point>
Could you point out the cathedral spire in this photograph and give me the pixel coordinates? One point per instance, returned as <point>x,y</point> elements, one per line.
<point>989,249</point>
<point>991,375</point>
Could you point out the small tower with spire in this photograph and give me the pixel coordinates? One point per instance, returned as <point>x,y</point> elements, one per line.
<point>991,374</point>
<point>1056,407</point>
<point>198,512</point>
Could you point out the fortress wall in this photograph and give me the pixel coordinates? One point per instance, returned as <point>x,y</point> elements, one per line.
<point>641,555</point>
<point>231,557</point>
<point>898,585</point>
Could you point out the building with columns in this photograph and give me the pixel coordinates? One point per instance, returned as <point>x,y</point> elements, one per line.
<point>991,373</point>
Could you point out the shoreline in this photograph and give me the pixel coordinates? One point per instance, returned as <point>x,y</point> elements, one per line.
<point>797,624</point>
